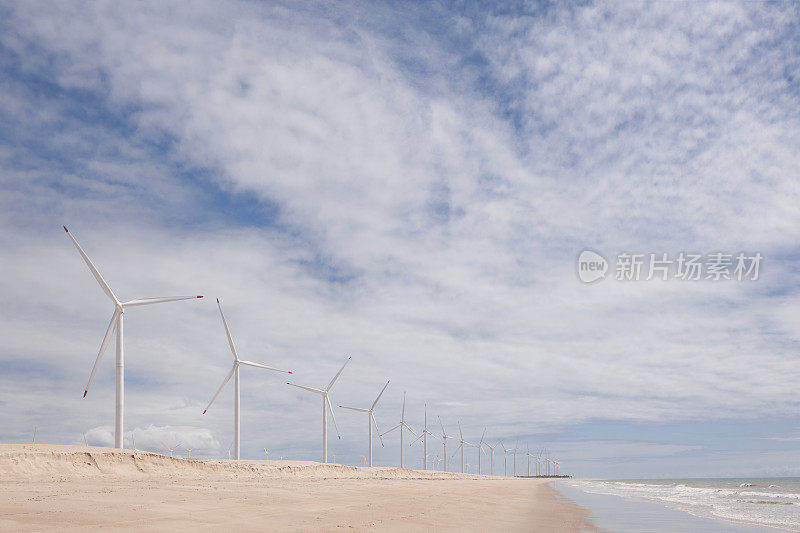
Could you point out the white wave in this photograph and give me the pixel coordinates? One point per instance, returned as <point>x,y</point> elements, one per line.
<point>762,507</point>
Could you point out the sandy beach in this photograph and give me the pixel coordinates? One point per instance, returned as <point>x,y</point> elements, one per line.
<point>45,487</point>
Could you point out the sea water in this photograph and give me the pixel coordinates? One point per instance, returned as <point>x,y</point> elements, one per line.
<point>773,502</point>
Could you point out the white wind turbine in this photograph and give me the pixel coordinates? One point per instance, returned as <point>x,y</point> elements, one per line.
<point>515,457</point>
<point>172,449</point>
<point>480,449</point>
<point>188,453</point>
<point>461,445</point>
<point>326,403</point>
<point>235,371</point>
<point>266,454</point>
<point>116,325</point>
<point>424,437</point>
<point>491,458</point>
<point>401,426</point>
<point>445,436</point>
<point>505,458</point>
<point>370,420</point>
<point>529,455</point>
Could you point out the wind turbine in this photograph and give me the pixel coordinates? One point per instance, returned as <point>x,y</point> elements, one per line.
<point>461,445</point>
<point>424,437</point>
<point>266,454</point>
<point>235,371</point>
<point>529,455</point>
<point>188,453</point>
<point>445,436</point>
<point>370,420</point>
<point>171,449</point>
<point>515,458</point>
<point>480,449</point>
<point>402,425</point>
<point>505,458</point>
<point>116,325</point>
<point>326,402</point>
<point>491,456</point>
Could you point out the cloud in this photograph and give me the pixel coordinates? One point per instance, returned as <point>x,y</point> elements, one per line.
<point>407,186</point>
<point>160,439</point>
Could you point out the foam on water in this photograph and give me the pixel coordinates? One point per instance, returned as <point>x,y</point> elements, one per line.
<point>769,502</point>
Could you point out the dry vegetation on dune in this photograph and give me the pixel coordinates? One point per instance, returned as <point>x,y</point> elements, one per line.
<point>45,487</point>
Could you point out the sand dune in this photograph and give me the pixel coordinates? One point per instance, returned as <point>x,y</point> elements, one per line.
<point>73,487</point>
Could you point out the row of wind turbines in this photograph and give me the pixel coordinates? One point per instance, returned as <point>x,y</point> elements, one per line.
<point>542,460</point>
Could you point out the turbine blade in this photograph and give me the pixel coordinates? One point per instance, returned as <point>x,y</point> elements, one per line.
<point>112,326</point>
<point>389,430</point>
<point>360,409</point>
<point>306,388</point>
<point>157,300</point>
<point>403,412</point>
<point>459,430</point>
<point>379,396</point>
<point>409,428</point>
<point>95,272</point>
<point>227,332</point>
<point>413,441</point>
<point>483,435</point>
<point>337,375</point>
<point>444,433</point>
<point>259,365</point>
<point>333,416</point>
<point>372,417</point>
<point>227,379</point>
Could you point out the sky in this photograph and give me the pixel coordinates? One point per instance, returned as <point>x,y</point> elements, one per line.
<point>409,184</point>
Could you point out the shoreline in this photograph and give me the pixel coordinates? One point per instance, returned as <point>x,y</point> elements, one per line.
<point>75,487</point>
<point>635,515</point>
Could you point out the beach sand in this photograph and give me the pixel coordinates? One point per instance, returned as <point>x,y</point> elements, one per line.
<point>45,487</point>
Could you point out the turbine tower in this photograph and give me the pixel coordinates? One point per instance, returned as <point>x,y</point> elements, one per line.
<point>326,403</point>
<point>235,372</point>
<point>424,437</point>
<point>529,455</point>
<point>116,324</point>
<point>461,445</point>
<point>401,426</point>
<point>480,449</point>
<point>505,458</point>
<point>491,458</point>
<point>445,436</point>
<point>370,420</point>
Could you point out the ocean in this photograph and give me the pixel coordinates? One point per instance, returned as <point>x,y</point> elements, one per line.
<point>772,502</point>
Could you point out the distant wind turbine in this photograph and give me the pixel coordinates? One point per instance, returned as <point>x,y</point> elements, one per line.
<point>266,454</point>
<point>326,403</point>
<point>480,449</point>
<point>171,450</point>
<point>370,420</point>
<point>505,458</point>
<point>528,456</point>
<point>461,445</point>
<point>401,426</point>
<point>424,437</point>
<point>188,453</point>
<point>445,436</point>
<point>516,444</point>
<point>116,324</point>
<point>491,458</point>
<point>235,372</point>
